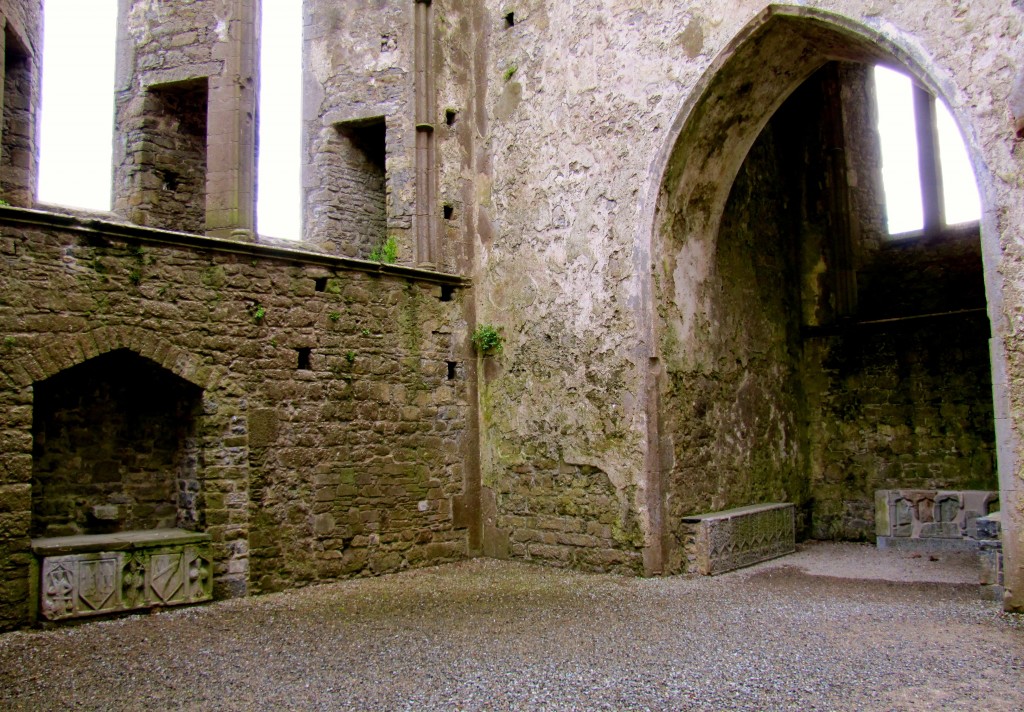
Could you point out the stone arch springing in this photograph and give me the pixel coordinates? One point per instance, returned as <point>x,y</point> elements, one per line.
<point>695,172</point>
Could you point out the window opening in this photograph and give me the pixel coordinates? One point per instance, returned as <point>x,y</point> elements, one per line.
<point>358,167</point>
<point>926,174</point>
<point>17,121</point>
<point>278,197</point>
<point>169,186</point>
<point>77,120</point>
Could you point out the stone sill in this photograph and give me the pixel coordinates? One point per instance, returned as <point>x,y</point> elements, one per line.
<point>105,227</point>
<point>118,541</point>
<point>736,512</point>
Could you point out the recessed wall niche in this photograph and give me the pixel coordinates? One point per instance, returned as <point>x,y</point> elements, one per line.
<point>115,448</point>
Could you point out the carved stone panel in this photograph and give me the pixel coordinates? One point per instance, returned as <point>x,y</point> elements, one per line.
<point>732,539</point>
<point>931,518</point>
<point>158,568</point>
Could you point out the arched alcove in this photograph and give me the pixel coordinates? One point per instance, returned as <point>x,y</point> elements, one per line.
<point>764,233</point>
<point>115,448</point>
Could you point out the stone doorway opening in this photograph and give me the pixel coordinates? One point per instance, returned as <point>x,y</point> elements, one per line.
<point>115,449</point>
<point>806,356</point>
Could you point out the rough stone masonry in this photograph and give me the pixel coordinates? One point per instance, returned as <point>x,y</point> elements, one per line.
<point>672,212</point>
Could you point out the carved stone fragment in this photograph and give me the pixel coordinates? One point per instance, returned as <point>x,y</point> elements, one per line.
<point>109,573</point>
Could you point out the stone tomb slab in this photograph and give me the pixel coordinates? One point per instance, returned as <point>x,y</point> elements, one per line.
<point>932,520</point>
<point>718,542</point>
<point>80,576</point>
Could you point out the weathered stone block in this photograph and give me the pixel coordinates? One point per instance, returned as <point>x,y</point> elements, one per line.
<point>723,541</point>
<point>931,518</point>
<point>109,573</point>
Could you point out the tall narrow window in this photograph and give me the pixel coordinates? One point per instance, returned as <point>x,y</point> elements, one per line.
<point>927,176</point>
<point>279,185</point>
<point>76,135</point>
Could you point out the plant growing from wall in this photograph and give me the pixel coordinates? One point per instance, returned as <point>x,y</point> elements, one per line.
<point>487,340</point>
<point>386,252</point>
<point>258,312</point>
<point>334,316</point>
<point>350,356</point>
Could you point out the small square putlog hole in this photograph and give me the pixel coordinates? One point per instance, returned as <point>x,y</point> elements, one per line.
<point>453,370</point>
<point>449,211</point>
<point>447,292</point>
<point>450,115</point>
<point>305,355</point>
<point>510,20</point>
<point>320,284</point>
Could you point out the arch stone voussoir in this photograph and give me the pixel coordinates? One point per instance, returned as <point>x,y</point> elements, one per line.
<point>67,350</point>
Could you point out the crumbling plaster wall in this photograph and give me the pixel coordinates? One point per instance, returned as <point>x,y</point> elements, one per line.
<point>585,102</point>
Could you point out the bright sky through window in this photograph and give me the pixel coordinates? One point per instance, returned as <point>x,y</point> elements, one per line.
<point>279,199</point>
<point>960,191</point>
<point>78,109</point>
<point>899,151</point>
<point>76,139</point>
<point>900,175</point>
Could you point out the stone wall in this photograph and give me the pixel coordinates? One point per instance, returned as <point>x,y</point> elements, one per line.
<point>734,409</point>
<point>114,449</point>
<point>20,89</point>
<point>350,212</point>
<point>360,65</point>
<point>578,164</point>
<point>168,150</point>
<point>334,400</point>
<point>185,96</point>
<point>615,133</point>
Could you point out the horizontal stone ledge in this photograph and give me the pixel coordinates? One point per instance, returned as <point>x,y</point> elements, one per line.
<point>117,541</point>
<point>109,228</point>
<point>736,512</point>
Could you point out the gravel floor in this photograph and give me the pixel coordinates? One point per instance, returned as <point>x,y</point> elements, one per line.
<point>833,627</point>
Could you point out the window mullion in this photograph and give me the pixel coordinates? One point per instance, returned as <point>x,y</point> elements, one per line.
<point>928,161</point>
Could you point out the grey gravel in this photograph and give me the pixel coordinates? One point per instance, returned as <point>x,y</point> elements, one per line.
<point>833,627</point>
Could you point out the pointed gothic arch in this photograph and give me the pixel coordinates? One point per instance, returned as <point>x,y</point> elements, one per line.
<point>693,176</point>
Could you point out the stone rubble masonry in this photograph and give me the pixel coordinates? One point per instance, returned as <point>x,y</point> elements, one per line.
<point>21,96</point>
<point>641,342</point>
<point>186,95</point>
<point>359,67</point>
<point>343,463</point>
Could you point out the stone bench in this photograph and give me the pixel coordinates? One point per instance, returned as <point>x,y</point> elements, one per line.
<point>931,519</point>
<point>88,575</point>
<point>723,541</point>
